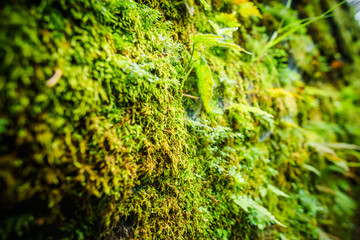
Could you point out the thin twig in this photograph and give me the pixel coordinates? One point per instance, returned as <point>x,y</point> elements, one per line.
<point>51,82</point>
<point>189,96</point>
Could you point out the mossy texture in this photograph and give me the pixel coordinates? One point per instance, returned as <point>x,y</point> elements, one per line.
<point>114,125</point>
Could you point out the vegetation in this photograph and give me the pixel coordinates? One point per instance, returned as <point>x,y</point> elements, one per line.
<point>193,119</point>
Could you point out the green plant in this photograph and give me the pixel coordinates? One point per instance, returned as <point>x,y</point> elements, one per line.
<point>197,61</point>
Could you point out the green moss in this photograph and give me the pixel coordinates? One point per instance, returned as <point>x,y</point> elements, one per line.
<point>98,140</point>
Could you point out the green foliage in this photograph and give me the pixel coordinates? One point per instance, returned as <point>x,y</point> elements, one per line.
<point>205,83</point>
<point>203,70</point>
<point>102,135</point>
<point>259,215</point>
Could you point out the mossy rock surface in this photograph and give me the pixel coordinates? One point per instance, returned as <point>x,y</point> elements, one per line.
<point>110,128</point>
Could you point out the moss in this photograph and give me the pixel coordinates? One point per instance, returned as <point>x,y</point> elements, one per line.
<point>112,148</point>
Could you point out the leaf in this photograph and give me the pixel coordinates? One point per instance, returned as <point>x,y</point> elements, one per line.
<point>353,164</point>
<point>266,213</point>
<point>343,146</point>
<point>277,191</point>
<point>292,28</point>
<point>263,191</point>
<point>207,6</point>
<point>322,148</point>
<point>205,83</point>
<point>289,123</point>
<point>215,27</point>
<point>246,203</point>
<point>213,40</point>
<point>257,111</point>
<point>232,45</point>
<point>329,153</point>
<point>227,31</point>
<point>223,31</point>
<point>340,163</point>
<point>206,39</point>
<point>311,169</point>
<point>325,189</point>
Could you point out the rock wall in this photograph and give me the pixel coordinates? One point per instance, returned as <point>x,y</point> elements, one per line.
<point>193,119</point>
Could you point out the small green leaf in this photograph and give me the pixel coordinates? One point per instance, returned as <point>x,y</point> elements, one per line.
<point>277,191</point>
<point>311,169</point>
<point>205,83</point>
<point>215,26</point>
<point>232,45</point>
<point>246,203</point>
<point>342,146</point>
<point>206,39</point>
<point>257,111</point>
<point>222,31</point>
<point>206,5</point>
<point>227,31</point>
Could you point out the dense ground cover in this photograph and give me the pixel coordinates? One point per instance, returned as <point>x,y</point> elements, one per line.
<point>178,120</point>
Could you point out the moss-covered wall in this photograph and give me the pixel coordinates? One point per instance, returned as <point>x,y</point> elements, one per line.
<point>119,119</point>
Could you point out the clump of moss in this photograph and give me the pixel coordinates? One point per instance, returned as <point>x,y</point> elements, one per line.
<point>107,141</point>
<point>103,135</point>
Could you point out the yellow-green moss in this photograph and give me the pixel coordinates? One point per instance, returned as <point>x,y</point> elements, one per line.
<point>114,149</point>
